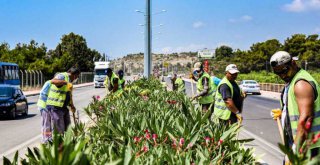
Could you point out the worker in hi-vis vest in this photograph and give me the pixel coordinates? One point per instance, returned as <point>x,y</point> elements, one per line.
<point>205,88</point>
<point>59,98</point>
<point>229,98</point>
<point>300,102</point>
<point>113,80</point>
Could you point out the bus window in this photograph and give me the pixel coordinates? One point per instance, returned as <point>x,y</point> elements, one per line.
<point>1,75</point>
<point>13,70</point>
<point>17,73</point>
<point>9,72</point>
<point>6,74</point>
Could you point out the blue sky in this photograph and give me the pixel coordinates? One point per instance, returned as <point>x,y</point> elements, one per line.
<point>112,26</point>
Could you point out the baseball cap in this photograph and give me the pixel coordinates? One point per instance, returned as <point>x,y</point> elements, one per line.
<point>280,58</point>
<point>120,73</point>
<point>108,70</point>
<point>232,68</point>
<point>197,66</point>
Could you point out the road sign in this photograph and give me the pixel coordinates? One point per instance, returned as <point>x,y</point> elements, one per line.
<point>206,66</point>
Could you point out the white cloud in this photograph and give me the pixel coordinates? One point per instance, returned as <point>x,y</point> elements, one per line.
<point>244,18</point>
<point>198,24</point>
<point>302,5</point>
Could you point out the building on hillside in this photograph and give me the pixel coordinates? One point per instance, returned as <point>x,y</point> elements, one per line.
<point>206,53</point>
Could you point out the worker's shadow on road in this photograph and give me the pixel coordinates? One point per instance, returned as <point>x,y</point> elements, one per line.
<point>18,117</point>
<point>31,103</point>
<point>265,118</point>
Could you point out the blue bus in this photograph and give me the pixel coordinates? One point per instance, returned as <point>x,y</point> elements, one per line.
<point>9,74</point>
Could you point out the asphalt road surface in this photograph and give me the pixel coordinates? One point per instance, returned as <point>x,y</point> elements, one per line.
<point>24,131</point>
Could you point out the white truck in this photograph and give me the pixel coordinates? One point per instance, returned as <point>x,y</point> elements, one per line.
<point>100,73</point>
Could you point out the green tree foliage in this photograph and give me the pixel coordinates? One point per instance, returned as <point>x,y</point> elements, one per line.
<point>223,52</point>
<point>71,51</point>
<point>307,48</point>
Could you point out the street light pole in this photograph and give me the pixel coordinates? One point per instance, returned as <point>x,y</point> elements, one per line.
<point>147,52</point>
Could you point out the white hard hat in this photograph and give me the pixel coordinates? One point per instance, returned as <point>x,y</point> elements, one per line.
<point>232,68</point>
<point>280,58</point>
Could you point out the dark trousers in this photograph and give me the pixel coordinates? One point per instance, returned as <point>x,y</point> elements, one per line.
<point>60,118</point>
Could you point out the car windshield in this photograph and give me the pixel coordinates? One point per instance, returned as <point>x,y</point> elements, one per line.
<point>5,92</point>
<point>101,71</point>
<point>250,82</point>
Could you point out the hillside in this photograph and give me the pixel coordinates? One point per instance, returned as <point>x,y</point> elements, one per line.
<point>177,62</point>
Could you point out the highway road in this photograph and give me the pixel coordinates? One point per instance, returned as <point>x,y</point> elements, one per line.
<point>25,131</point>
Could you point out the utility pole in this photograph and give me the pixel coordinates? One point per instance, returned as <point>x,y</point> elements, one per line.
<point>147,52</point>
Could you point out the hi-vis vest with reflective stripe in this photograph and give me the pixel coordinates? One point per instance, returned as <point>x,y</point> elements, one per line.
<point>41,103</point>
<point>179,82</point>
<point>220,108</point>
<point>121,81</point>
<point>119,85</point>
<point>208,98</point>
<point>294,110</point>
<point>57,96</point>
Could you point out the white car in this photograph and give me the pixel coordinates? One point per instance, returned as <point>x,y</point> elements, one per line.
<point>250,86</point>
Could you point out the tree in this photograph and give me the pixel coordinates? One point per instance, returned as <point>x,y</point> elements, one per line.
<point>295,45</point>
<point>73,51</point>
<point>223,51</point>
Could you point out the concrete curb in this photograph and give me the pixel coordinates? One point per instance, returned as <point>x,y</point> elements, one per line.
<point>37,92</point>
<point>265,94</point>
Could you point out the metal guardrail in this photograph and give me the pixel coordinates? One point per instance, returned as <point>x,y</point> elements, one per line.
<point>34,79</point>
<point>271,87</point>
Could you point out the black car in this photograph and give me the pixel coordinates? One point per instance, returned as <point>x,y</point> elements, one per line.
<point>12,101</point>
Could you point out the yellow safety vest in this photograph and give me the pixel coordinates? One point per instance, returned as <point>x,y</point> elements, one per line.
<point>220,109</point>
<point>293,109</point>
<point>208,98</point>
<point>42,103</point>
<point>57,96</point>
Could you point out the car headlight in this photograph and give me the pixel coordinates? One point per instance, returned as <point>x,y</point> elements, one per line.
<point>7,104</point>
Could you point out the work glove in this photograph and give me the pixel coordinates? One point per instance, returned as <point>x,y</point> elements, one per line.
<point>276,113</point>
<point>69,86</point>
<point>194,98</point>
<point>243,94</point>
<point>190,76</point>
<point>239,117</point>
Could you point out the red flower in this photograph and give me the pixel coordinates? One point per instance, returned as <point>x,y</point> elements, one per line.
<point>172,101</point>
<point>181,141</point>
<point>220,142</point>
<point>174,144</point>
<point>207,139</point>
<point>98,97</point>
<point>318,135</point>
<point>148,136</point>
<point>136,139</point>
<point>145,149</point>
<point>301,150</point>
<point>154,136</point>
<point>308,125</point>
<point>146,131</point>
